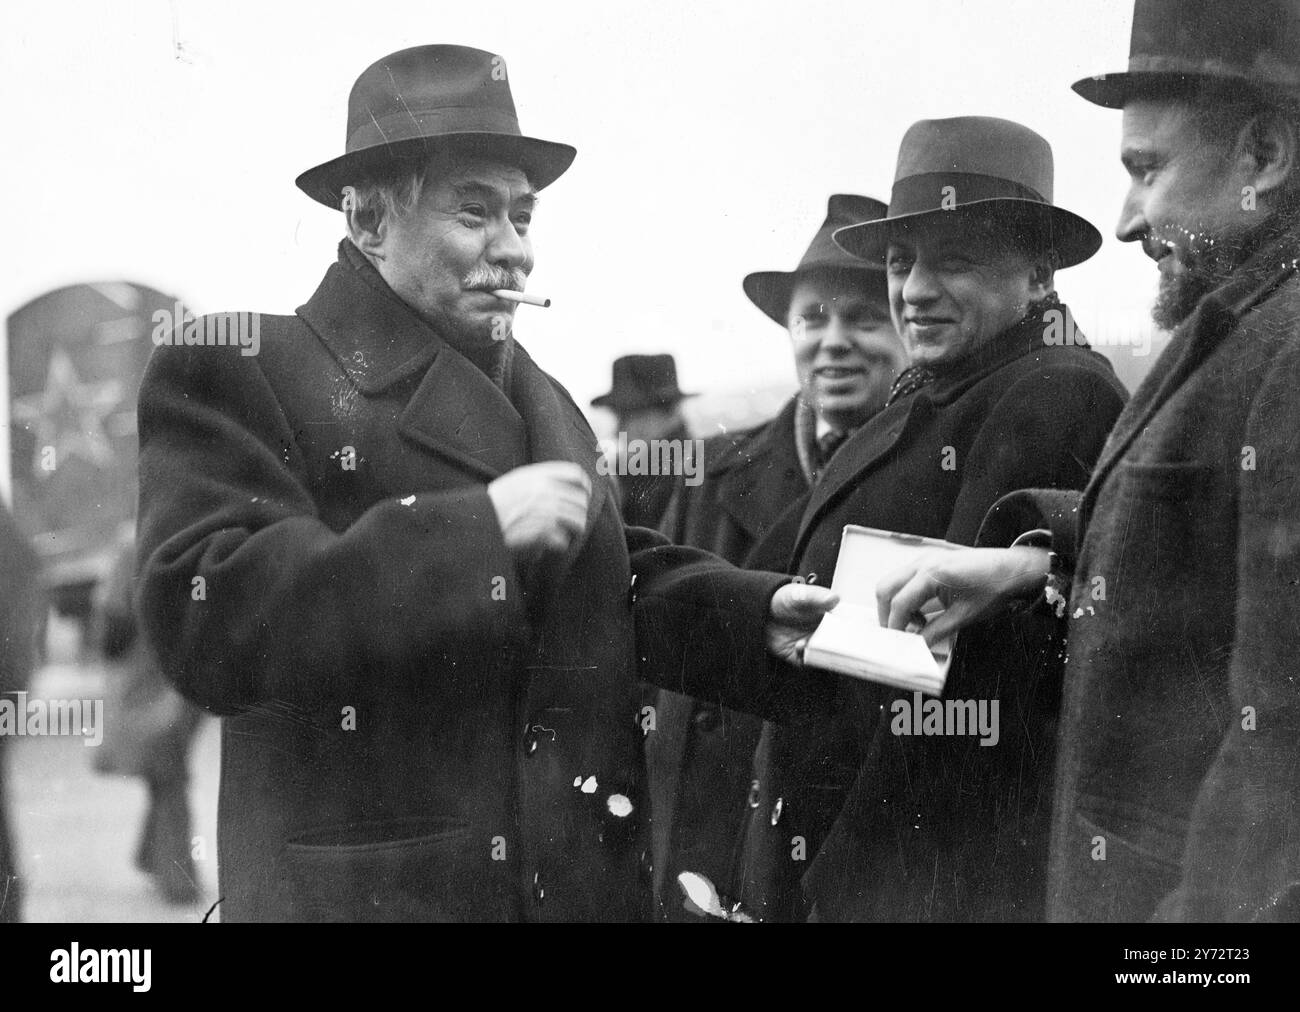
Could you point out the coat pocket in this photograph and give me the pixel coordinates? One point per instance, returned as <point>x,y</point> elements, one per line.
<point>414,869</point>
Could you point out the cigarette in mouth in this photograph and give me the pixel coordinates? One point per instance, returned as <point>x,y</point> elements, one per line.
<point>529,300</point>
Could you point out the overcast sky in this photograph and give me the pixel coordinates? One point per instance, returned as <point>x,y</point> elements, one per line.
<point>158,142</point>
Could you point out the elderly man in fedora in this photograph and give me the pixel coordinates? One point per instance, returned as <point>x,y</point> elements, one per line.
<point>646,402</point>
<point>379,549</point>
<point>849,819</point>
<point>847,354</point>
<point>1178,791</point>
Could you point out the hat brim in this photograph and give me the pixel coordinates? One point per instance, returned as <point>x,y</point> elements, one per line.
<point>1075,239</point>
<point>620,404</point>
<point>771,291</point>
<point>1114,91</point>
<point>543,161</point>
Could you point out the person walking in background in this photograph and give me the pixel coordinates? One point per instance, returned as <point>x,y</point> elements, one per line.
<point>152,729</point>
<point>21,606</point>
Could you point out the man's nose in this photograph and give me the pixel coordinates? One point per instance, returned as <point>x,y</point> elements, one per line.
<point>1132,224</point>
<point>506,247</point>
<point>921,286</point>
<point>835,335</point>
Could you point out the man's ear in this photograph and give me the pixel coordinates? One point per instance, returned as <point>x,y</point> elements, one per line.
<point>367,229</point>
<point>1042,276</point>
<point>1271,150</point>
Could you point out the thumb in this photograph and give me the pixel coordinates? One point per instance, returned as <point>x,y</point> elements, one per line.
<point>802,601</point>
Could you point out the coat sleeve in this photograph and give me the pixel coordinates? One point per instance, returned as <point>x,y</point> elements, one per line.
<point>1045,432</point>
<point>700,623</point>
<point>246,595</point>
<point>1242,858</point>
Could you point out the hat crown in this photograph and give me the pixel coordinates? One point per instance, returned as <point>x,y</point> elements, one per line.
<point>977,146</point>
<point>446,87</point>
<point>842,210</point>
<point>1245,37</point>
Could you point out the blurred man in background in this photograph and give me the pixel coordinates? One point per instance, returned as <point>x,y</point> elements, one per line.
<point>847,354</point>
<point>646,402</point>
<point>21,605</point>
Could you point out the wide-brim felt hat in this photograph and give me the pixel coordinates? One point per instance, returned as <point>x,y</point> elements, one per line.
<point>976,168</point>
<point>415,102</point>
<point>1182,45</point>
<point>642,381</point>
<point>771,291</point>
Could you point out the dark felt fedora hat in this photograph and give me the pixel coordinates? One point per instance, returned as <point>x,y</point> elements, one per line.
<point>982,167</point>
<point>414,101</point>
<point>642,381</point>
<point>1184,44</point>
<point>770,291</point>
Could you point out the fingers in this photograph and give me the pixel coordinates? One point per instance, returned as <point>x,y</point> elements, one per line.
<point>888,587</point>
<point>908,601</point>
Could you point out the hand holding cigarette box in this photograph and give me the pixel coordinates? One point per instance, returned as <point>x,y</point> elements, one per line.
<point>850,639</point>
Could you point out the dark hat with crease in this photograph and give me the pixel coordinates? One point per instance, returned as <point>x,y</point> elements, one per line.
<point>1180,45</point>
<point>414,102</point>
<point>770,291</point>
<point>976,168</point>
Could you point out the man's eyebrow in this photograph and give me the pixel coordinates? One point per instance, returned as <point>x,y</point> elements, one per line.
<point>490,193</point>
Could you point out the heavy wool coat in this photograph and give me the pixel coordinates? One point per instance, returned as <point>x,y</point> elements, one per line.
<point>700,757</point>
<point>853,822</point>
<point>414,730</point>
<point>1178,792</point>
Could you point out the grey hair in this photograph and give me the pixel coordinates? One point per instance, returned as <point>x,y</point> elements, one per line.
<point>388,192</point>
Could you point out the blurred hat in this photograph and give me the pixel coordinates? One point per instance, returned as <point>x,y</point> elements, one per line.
<point>1179,44</point>
<point>414,101</point>
<point>977,166</point>
<point>642,381</point>
<point>770,291</point>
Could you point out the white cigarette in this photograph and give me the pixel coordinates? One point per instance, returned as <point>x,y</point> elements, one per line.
<point>512,296</point>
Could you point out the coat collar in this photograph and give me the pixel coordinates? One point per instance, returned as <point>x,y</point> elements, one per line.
<point>1217,315</point>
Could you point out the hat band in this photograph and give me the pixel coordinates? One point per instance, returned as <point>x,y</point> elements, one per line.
<point>943,191</point>
<point>1272,72</point>
<point>430,123</point>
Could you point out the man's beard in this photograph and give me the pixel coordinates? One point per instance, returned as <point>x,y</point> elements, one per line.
<point>1180,293</point>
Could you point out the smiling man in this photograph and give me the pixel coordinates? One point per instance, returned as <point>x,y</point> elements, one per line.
<point>381,551</point>
<point>847,820</point>
<point>1178,793</point>
<point>835,309</point>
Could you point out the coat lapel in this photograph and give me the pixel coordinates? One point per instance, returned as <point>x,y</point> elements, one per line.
<point>863,450</point>
<point>760,476</point>
<point>556,430</point>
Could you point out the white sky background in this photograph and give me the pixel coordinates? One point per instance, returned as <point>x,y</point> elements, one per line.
<point>158,142</point>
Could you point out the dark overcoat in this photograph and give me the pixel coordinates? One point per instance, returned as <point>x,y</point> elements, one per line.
<point>701,754</point>
<point>413,728</point>
<point>854,822</point>
<point>1178,793</point>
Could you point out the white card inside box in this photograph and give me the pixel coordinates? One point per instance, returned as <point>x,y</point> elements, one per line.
<point>850,639</point>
